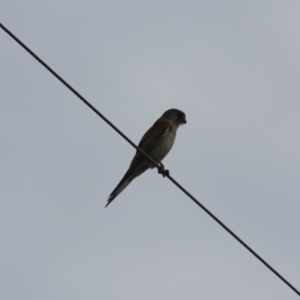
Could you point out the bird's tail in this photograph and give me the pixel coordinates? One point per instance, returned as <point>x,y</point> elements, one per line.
<point>137,167</point>
<point>120,187</point>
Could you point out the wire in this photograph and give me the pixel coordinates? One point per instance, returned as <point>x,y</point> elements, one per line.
<point>152,161</point>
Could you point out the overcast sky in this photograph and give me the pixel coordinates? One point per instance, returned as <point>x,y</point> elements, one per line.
<point>233,67</point>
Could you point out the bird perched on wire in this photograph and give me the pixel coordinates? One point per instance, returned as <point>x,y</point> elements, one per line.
<point>156,142</point>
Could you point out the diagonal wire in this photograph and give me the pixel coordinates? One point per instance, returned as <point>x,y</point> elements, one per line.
<point>152,161</point>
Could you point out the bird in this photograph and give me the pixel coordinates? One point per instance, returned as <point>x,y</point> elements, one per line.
<point>156,143</point>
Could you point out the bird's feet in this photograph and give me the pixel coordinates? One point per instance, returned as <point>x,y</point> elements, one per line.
<point>162,170</point>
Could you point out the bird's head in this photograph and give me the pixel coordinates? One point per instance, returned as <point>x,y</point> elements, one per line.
<point>175,115</point>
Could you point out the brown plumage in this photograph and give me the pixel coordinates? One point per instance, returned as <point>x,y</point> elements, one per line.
<point>156,142</point>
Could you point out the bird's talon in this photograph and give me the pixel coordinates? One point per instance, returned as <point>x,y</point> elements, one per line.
<point>162,170</point>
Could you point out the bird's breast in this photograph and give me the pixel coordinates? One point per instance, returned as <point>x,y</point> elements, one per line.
<point>164,146</point>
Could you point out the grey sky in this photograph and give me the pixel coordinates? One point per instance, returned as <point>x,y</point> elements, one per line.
<point>232,66</point>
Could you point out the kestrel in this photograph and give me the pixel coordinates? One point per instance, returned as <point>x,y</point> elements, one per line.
<point>156,142</point>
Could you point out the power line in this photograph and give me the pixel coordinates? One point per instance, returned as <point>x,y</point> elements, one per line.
<point>150,159</point>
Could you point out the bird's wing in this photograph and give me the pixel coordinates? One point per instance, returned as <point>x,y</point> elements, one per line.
<point>151,139</point>
<point>154,136</point>
<point>140,164</point>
